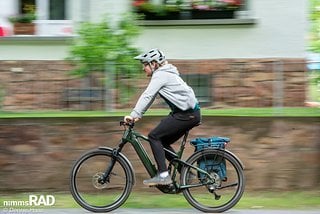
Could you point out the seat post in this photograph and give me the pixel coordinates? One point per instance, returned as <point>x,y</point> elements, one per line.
<point>182,145</point>
<point>184,141</point>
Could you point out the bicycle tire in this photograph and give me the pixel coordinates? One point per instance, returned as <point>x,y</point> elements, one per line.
<point>206,200</point>
<point>83,181</point>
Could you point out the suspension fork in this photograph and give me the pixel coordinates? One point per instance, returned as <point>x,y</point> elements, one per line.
<point>115,153</point>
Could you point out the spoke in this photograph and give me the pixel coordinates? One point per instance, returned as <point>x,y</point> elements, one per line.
<point>227,186</point>
<point>117,175</point>
<point>115,188</point>
<point>188,186</point>
<point>219,188</point>
<point>94,188</point>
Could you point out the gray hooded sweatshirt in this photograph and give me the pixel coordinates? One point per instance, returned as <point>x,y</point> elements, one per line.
<point>166,82</point>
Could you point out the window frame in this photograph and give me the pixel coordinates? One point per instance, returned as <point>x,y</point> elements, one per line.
<point>50,10</point>
<point>43,11</point>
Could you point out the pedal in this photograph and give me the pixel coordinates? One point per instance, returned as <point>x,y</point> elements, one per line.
<point>216,196</point>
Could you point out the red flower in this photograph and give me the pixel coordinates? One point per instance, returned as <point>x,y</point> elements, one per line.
<point>237,2</point>
<point>233,2</point>
<point>138,3</point>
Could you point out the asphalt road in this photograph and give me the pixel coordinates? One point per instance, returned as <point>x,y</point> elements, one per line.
<point>162,211</point>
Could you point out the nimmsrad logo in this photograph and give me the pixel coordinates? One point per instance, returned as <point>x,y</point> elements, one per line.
<point>30,205</point>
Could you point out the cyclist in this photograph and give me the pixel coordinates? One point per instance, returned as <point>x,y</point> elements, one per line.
<point>185,110</point>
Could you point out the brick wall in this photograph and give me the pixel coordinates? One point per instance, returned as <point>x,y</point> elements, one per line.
<point>253,82</point>
<point>30,85</point>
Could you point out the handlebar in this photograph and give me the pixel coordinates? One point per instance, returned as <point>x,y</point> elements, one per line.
<point>124,123</point>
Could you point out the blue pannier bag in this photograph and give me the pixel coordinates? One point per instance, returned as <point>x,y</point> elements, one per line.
<point>212,164</point>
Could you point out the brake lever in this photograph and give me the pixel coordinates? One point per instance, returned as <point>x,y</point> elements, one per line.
<point>130,124</point>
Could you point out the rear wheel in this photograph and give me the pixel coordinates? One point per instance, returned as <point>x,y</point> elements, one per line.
<point>94,193</point>
<point>216,193</point>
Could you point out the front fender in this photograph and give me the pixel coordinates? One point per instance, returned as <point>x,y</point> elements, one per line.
<point>123,157</point>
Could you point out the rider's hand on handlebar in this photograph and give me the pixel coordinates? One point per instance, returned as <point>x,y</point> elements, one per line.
<point>128,119</point>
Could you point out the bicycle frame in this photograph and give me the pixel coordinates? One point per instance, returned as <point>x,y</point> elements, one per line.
<point>134,138</point>
<point>117,166</point>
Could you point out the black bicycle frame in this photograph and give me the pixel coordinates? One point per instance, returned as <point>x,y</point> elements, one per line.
<point>134,138</point>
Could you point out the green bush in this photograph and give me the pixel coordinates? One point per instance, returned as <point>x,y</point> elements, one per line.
<point>107,47</point>
<point>99,43</point>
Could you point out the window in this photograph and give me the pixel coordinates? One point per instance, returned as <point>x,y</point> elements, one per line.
<point>57,10</point>
<point>52,18</point>
<point>49,9</point>
<point>27,6</point>
<point>201,84</point>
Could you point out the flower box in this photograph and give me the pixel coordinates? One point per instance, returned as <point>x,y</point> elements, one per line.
<point>24,28</point>
<point>23,24</point>
<point>156,16</point>
<point>212,14</point>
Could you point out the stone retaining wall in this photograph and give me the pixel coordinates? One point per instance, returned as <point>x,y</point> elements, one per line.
<point>278,153</point>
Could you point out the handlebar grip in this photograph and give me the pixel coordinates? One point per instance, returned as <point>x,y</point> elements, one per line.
<point>124,123</point>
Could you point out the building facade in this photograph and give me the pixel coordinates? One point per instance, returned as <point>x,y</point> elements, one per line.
<point>255,57</point>
<point>259,29</point>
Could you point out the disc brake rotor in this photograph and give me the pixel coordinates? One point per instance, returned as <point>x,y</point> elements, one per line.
<point>96,181</point>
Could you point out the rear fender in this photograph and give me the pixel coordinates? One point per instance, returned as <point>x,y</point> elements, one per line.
<point>238,160</point>
<point>226,151</point>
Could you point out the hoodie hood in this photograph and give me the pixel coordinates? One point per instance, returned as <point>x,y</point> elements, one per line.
<point>166,82</point>
<point>168,68</point>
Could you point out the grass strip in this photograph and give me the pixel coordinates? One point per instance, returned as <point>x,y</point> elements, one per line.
<point>234,112</point>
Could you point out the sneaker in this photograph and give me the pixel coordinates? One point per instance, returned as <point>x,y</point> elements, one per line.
<point>158,180</point>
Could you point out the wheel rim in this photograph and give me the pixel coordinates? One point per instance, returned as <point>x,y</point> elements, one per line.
<point>96,196</point>
<point>220,195</point>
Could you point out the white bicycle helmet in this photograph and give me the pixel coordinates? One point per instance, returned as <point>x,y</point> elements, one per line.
<point>152,55</point>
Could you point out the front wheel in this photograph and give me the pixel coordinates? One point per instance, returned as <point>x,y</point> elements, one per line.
<point>221,188</point>
<point>94,192</point>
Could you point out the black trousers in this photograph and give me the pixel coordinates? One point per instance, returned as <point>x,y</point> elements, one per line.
<point>169,130</point>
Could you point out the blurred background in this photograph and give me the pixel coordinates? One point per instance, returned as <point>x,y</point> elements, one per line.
<point>76,56</point>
